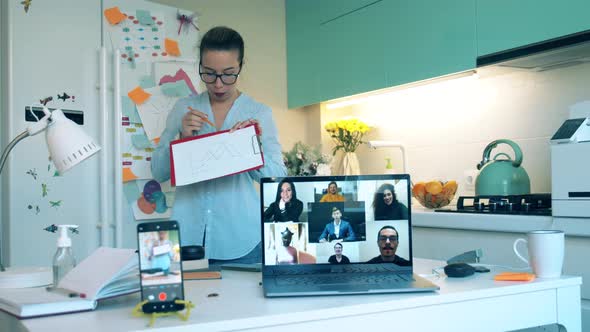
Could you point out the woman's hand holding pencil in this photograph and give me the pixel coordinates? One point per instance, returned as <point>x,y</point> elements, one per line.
<point>193,121</point>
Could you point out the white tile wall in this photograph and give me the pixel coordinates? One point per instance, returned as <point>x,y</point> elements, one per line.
<point>447,125</point>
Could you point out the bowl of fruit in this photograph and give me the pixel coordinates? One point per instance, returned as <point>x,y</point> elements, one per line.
<point>434,194</point>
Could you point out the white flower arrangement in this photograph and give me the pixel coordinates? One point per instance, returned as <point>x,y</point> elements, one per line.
<point>304,160</point>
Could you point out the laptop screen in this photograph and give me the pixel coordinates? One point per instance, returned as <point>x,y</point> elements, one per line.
<point>332,220</point>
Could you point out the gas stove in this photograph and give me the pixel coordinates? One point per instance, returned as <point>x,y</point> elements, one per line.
<point>530,204</point>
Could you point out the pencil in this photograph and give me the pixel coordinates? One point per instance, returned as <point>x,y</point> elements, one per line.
<point>204,118</point>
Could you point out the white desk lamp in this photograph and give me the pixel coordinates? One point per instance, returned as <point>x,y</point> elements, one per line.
<point>391,144</point>
<point>68,145</point>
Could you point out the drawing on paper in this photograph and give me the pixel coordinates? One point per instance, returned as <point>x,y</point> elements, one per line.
<point>154,112</point>
<point>208,159</point>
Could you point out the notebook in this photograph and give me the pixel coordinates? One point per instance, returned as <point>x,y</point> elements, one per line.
<point>107,272</point>
<point>358,240</point>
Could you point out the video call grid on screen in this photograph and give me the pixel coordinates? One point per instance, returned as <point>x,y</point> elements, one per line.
<point>290,242</point>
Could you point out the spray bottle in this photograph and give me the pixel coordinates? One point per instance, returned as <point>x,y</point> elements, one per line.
<point>63,260</point>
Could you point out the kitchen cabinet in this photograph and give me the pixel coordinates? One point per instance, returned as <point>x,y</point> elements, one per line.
<point>328,10</point>
<point>428,38</point>
<point>341,48</point>
<point>506,24</point>
<point>302,53</point>
<point>351,58</point>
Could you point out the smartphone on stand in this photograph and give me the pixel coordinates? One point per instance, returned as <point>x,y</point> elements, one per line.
<point>160,266</point>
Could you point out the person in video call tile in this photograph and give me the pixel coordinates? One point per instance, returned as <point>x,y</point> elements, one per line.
<point>388,240</point>
<point>386,206</point>
<point>161,260</point>
<point>286,206</point>
<point>286,254</point>
<point>338,258</point>
<point>332,195</point>
<point>338,229</point>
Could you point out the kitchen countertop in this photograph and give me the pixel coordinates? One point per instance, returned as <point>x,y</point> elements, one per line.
<point>422,217</point>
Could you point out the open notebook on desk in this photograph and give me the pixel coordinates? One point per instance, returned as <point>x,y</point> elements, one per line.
<point>107,272</point>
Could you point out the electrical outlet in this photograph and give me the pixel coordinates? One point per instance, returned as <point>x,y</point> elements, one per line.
<point>469,177</point>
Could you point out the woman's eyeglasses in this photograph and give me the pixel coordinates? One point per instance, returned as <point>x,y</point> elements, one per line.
<point>227,79</point>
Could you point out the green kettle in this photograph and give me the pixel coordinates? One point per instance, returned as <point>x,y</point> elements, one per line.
<point>502,176</point>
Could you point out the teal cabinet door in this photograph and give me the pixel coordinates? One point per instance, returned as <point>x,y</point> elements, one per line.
<point>329,10</point>
<point>429,38</point>
<point>351,57</point>
<point>506,24</point>
<point>302,53</point>
<point>341,48</point>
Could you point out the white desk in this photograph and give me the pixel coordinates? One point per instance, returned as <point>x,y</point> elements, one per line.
<point>478,302</point>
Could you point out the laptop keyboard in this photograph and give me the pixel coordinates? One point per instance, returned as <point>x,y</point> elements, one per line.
<point>337,278</point>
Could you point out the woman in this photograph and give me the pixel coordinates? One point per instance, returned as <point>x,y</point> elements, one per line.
<point>386,206</point>
<point>338,258</point>
<point>286,206</point>
<point>217,212</point>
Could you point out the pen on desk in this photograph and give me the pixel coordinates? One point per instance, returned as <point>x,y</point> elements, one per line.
<point>65,292</point>
<point>204,118</point>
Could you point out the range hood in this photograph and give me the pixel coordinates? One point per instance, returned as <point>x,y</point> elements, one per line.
<point>555,53</point>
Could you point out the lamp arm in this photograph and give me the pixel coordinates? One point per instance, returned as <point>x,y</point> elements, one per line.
<point>11,145</point>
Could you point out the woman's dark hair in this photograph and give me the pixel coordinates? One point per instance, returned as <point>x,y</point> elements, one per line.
<point>333,183</point>
<point>222,39</point>
<point>378,198</point>
<point>293,191</point>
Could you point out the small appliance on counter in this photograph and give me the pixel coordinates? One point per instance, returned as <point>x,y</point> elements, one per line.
<point>503,177</point>
<point>529,204</point>
<point>570,178</point>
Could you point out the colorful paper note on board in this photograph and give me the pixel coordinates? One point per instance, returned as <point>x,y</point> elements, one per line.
<point>129,110</point>
<point>144,17</point>
<point>128,175</point>
<point>175,89</point>
<point>138,95</point>
<point>147,82</point>
<point>171,47</point>
<point>114,15</point>
<point>136,162</point>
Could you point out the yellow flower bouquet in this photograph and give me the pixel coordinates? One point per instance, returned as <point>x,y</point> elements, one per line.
<point>347,133</point>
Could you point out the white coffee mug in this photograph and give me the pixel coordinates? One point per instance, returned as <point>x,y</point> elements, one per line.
<point>546,249</point>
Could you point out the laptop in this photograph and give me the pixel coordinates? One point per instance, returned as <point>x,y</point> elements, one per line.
<point>336,235</point>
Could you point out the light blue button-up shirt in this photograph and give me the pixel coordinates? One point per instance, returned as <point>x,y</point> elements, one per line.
<point>228,207</point>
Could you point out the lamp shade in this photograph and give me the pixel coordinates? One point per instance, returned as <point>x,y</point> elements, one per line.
<point>67,143</point>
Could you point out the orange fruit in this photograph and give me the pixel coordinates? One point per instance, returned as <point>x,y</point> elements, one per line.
<point>434,187</point>
<point>418,189</point>
<point>450,187</point>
